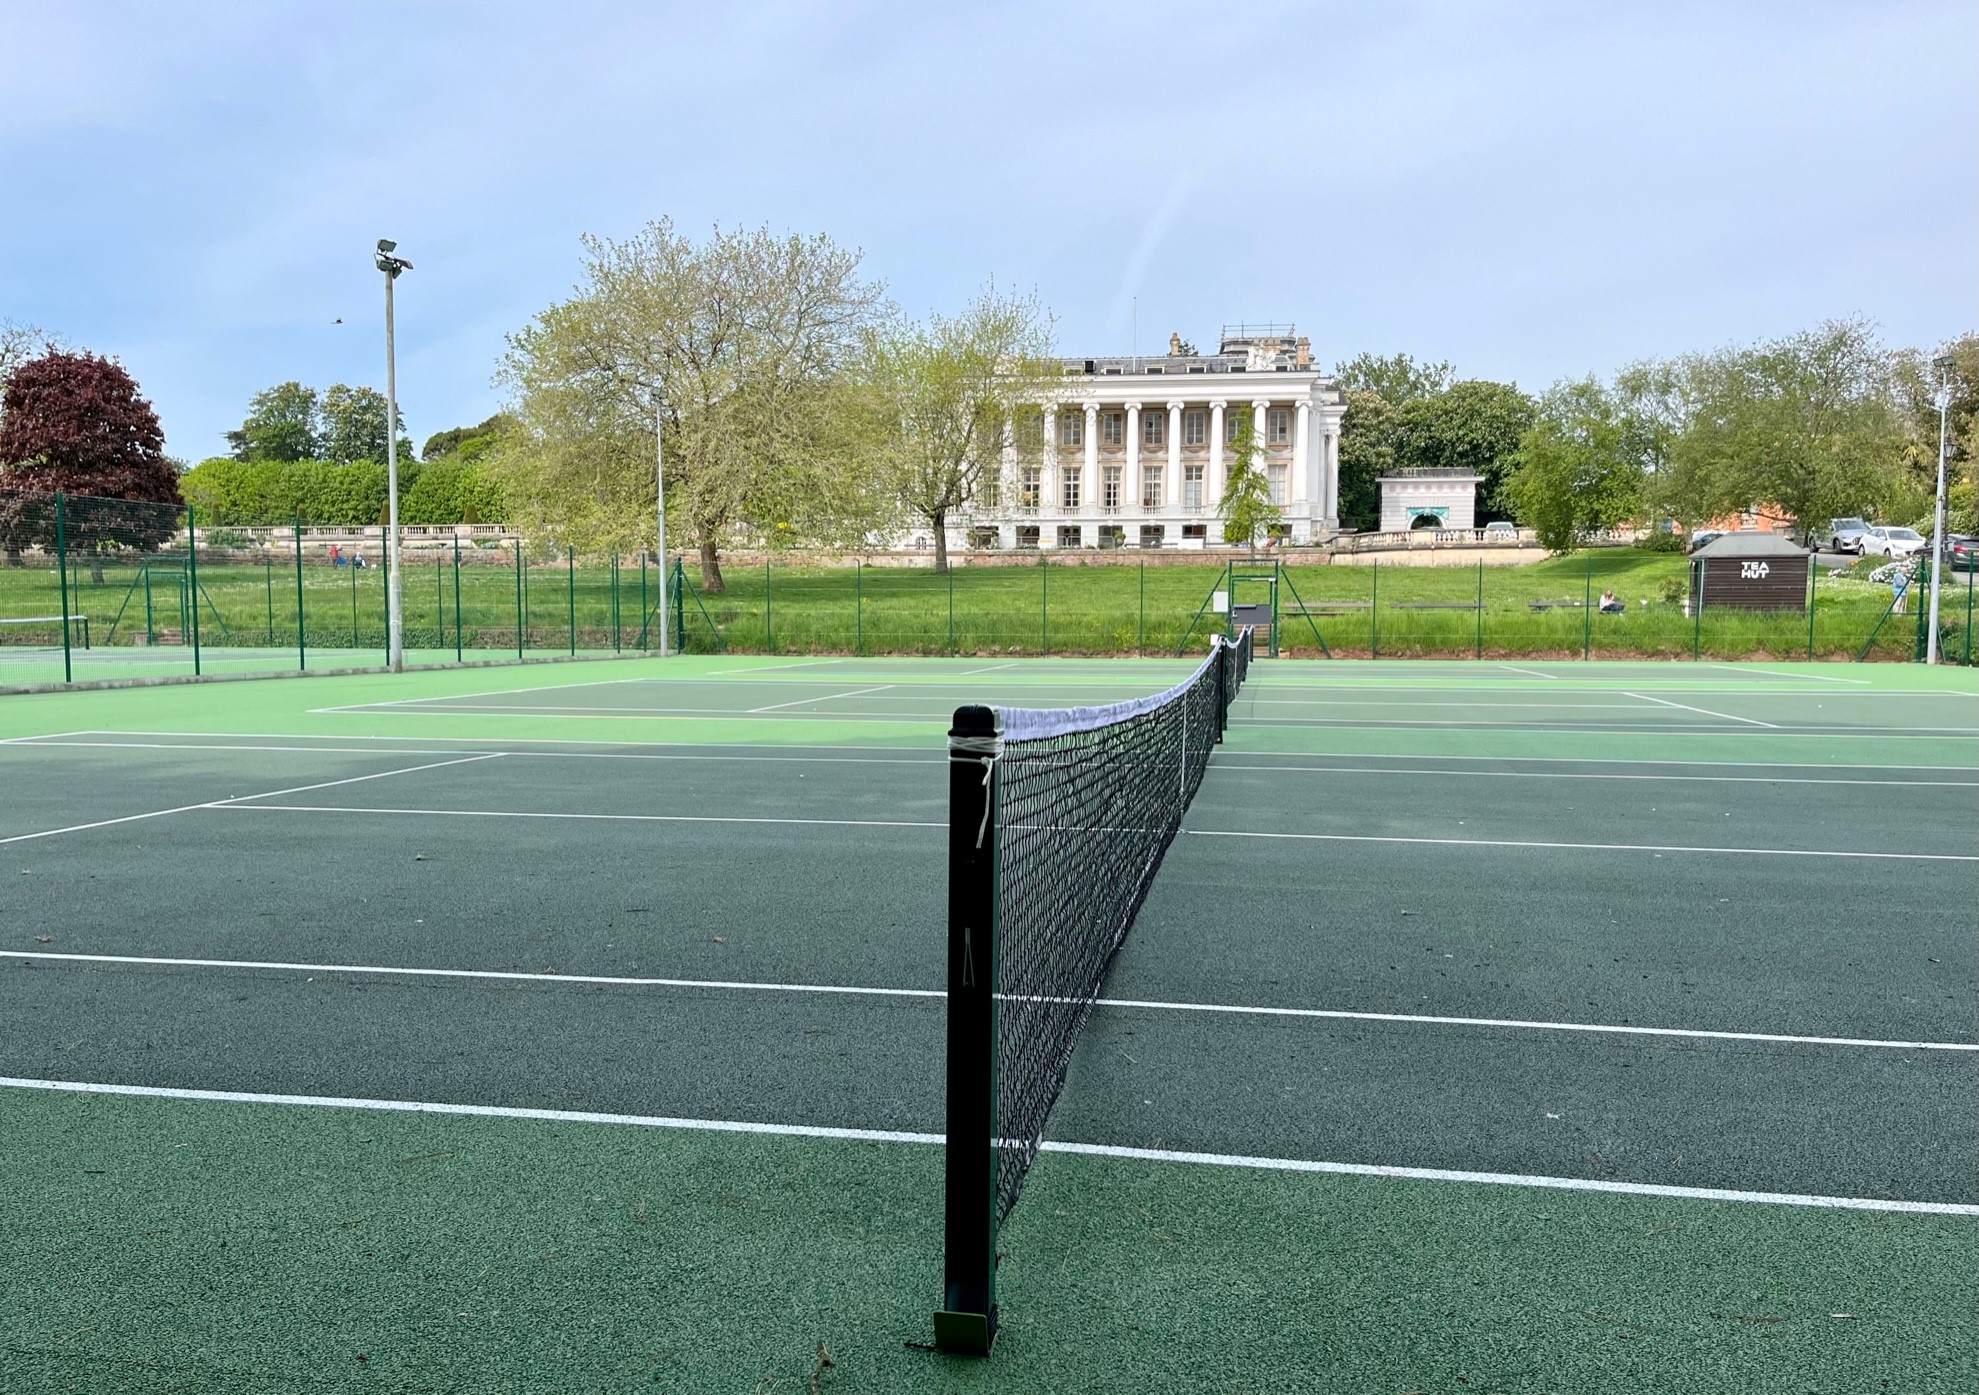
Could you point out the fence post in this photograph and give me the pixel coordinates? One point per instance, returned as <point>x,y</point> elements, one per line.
<point>301,617</point>
<point>1044,609</point>
<point>1696,609</point>
<point>1374,614</point>
<point>679,640</point>
<point>457,638</point>
<point>385,574</point>
<point>1141,635</point>
<point>1587,612</point>
<point>951,609</point>
<point>518,598</point>
<point>858,608</point>
<point>769,630</point>
<point>617,635</point>
<point>1480,608</point>
<point>1813,585</point>
<point>62,570</point>
<point>192,581</point>
<point>150,620</point>
<point>353,569</point>
<point>268,580</point>
<point>570,574</point>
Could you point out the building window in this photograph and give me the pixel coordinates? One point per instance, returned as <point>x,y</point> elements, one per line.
<point>1150,486</point>
<point>1196,530</point>
<point>991,494</point>
<point>1068,536</point>
<point>1109,489</point>
<point>1154,429</point>
<point>1153,535</point>
<point>1112,428</point>
<point>1033,490</point>
<point>1192,486</point>
<point>983,539</point>
<point>1068,490</point>
<point>1280,425</point>
<point>1112,535</point>
<point>1276,474</point>
<point>1071,429</point>
<point>1194,427</point>
<point>1231,421</point>
<point>1027,535</point>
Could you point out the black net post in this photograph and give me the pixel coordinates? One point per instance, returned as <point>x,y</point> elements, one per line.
<point>966,1322</point>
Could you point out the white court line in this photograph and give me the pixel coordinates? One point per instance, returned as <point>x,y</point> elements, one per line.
<point>1531,671</point>
<point>1226,754</point>
<point>1102,1150</point>
<point>1810,677</point>
<point>766,668</point>
<point>1586,775</point>
<point>1658,848</point>
<point>234,801</point>
<point>1704,712</point>
<point>543,755</point>
<point>969,672</point>
<point>855,991</point>
<point>29,740</point>
<point>821,697</point>
<point>596,818</point>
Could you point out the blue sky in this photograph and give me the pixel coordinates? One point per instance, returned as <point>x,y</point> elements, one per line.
<point>1529,190</point>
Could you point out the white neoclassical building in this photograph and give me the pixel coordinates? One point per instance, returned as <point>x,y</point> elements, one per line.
<point>1133,448</point>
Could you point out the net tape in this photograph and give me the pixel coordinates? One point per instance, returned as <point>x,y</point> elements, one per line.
<point>1088,800</point>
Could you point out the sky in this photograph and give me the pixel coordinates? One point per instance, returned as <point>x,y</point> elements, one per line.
<point>1528,190</point>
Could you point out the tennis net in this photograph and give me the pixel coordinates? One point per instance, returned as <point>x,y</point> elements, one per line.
<point>1058,822</point>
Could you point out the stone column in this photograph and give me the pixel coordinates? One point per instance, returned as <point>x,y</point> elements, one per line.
<point>1213,476</point>
<point>1332,471</point>
<point>1130,478</point>
<point>1048,477</point>
<point>1091,472</point>
<point>1172,486</point>
<point>1258,424</point>
<point>1304,478</point>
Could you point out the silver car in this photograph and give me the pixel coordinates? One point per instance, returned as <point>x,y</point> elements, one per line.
<point>1891,542</point>
<point>1844,534</point>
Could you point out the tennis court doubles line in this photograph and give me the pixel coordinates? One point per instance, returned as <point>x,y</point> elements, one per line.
<point>1100,1150</point>
<point>861,991</point>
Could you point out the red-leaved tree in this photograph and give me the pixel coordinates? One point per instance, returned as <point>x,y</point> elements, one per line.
<point>77,423</point>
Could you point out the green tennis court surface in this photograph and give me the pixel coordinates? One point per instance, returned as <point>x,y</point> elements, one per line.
<point>1490,1027</point>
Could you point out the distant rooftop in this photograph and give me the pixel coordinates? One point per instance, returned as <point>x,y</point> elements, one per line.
<point>1241,348</point>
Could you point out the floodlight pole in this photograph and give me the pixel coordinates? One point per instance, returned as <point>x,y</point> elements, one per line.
<point>660,488</point>
<point>394,586</point>
<point>1938,517</point>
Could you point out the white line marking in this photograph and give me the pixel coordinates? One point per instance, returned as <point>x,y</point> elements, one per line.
<point>1101,1150</point>
<point>234,801</point>
<point>1532,671</point>
<point>1587,775</point>
<point>766,668</point>
<point>546,755</point>
<point>29,740</point>
<point>1228,754</point>
<point>856,991</point>
<point>1809,677</point>
<point>1595,847</point>
<point>970,672</point>
<point>600,818</point>
<point>1705,712</point>
<point>821,697</point>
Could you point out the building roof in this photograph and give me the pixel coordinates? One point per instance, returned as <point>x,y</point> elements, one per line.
<point>1753,544</point>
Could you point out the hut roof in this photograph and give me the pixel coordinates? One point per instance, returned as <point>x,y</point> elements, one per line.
<point>1750,545</point>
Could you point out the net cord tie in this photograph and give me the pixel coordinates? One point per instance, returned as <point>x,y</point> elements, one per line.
<point>978,748</point>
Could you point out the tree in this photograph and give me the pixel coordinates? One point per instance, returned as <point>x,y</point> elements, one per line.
<point>281,425</point>
<point>354,426</point>
<point>449,490</point>
<point>1246,506</point>
<point>1580,466</point>
<point>938,399</point>
<point>1395,379</point>
<point>470,442</point>
<point>741,343</point>
<point>1472,425</point>
<point>1367,452</point>
<point>77,423</point>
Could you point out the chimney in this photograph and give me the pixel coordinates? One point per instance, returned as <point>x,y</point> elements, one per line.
<point>1175,345</point>
<point>1304,357</point>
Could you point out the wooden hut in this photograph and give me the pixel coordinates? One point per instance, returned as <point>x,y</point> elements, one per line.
<point>1750,571</point>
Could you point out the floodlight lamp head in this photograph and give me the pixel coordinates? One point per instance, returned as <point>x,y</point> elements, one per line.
<point>385,244</point>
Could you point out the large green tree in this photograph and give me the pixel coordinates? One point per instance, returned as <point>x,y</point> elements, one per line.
<point>1377,387</point>
<point>354,426</point>
<point>1394,378</point>
<point>283,423</point>
<point>937,399</point>
<point>741,344</point>
<point>1581,465</point>
<point>1472,425</point>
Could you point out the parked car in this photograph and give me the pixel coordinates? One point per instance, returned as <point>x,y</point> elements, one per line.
<point>1962,552</point>
<point>1704,537</point>
<point>1843,535</point>
<point>1891,542</point>
<point>1500,528</point>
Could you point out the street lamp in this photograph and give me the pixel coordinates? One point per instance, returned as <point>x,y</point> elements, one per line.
<point>394,591</point>
<point>1944,366</point>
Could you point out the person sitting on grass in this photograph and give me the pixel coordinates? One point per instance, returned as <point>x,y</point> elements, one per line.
<point>1610,605</point>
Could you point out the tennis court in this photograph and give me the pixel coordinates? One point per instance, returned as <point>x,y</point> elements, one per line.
<point>1489,1027</point>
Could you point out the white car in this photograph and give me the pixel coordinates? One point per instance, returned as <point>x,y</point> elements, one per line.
<point>1892,542</point>
<point>1500,528</point>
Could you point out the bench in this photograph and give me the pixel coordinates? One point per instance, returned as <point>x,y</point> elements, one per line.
<point>1324,608</point>
<point>1557,605</point>
<point>1435,605</point>
<point>74,620</point>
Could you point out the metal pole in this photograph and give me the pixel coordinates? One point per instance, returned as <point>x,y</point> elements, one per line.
<point>1044,609</point>
<point>660,488</point>
<point>769,630</point>
<point>1813,585</point>
<point>1374,614</point>
<point>1141,641</point>
<point>1480,607</point>
<point>457,638</point>
<point>1938,516</point>
<point>1587,611</point>
<point>617,630</point>
<point>301,620</point>
<point>62,570</point>
<point>440,601</point>
<point>858,608</point>
<point>518,598</point>
<point>353,605</point>
<point>394,601</point>
<point>951,608</point>
<point>192,582</point>
<point>570,572</point>
<point>1697,609</point>
<point>268,580</point>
